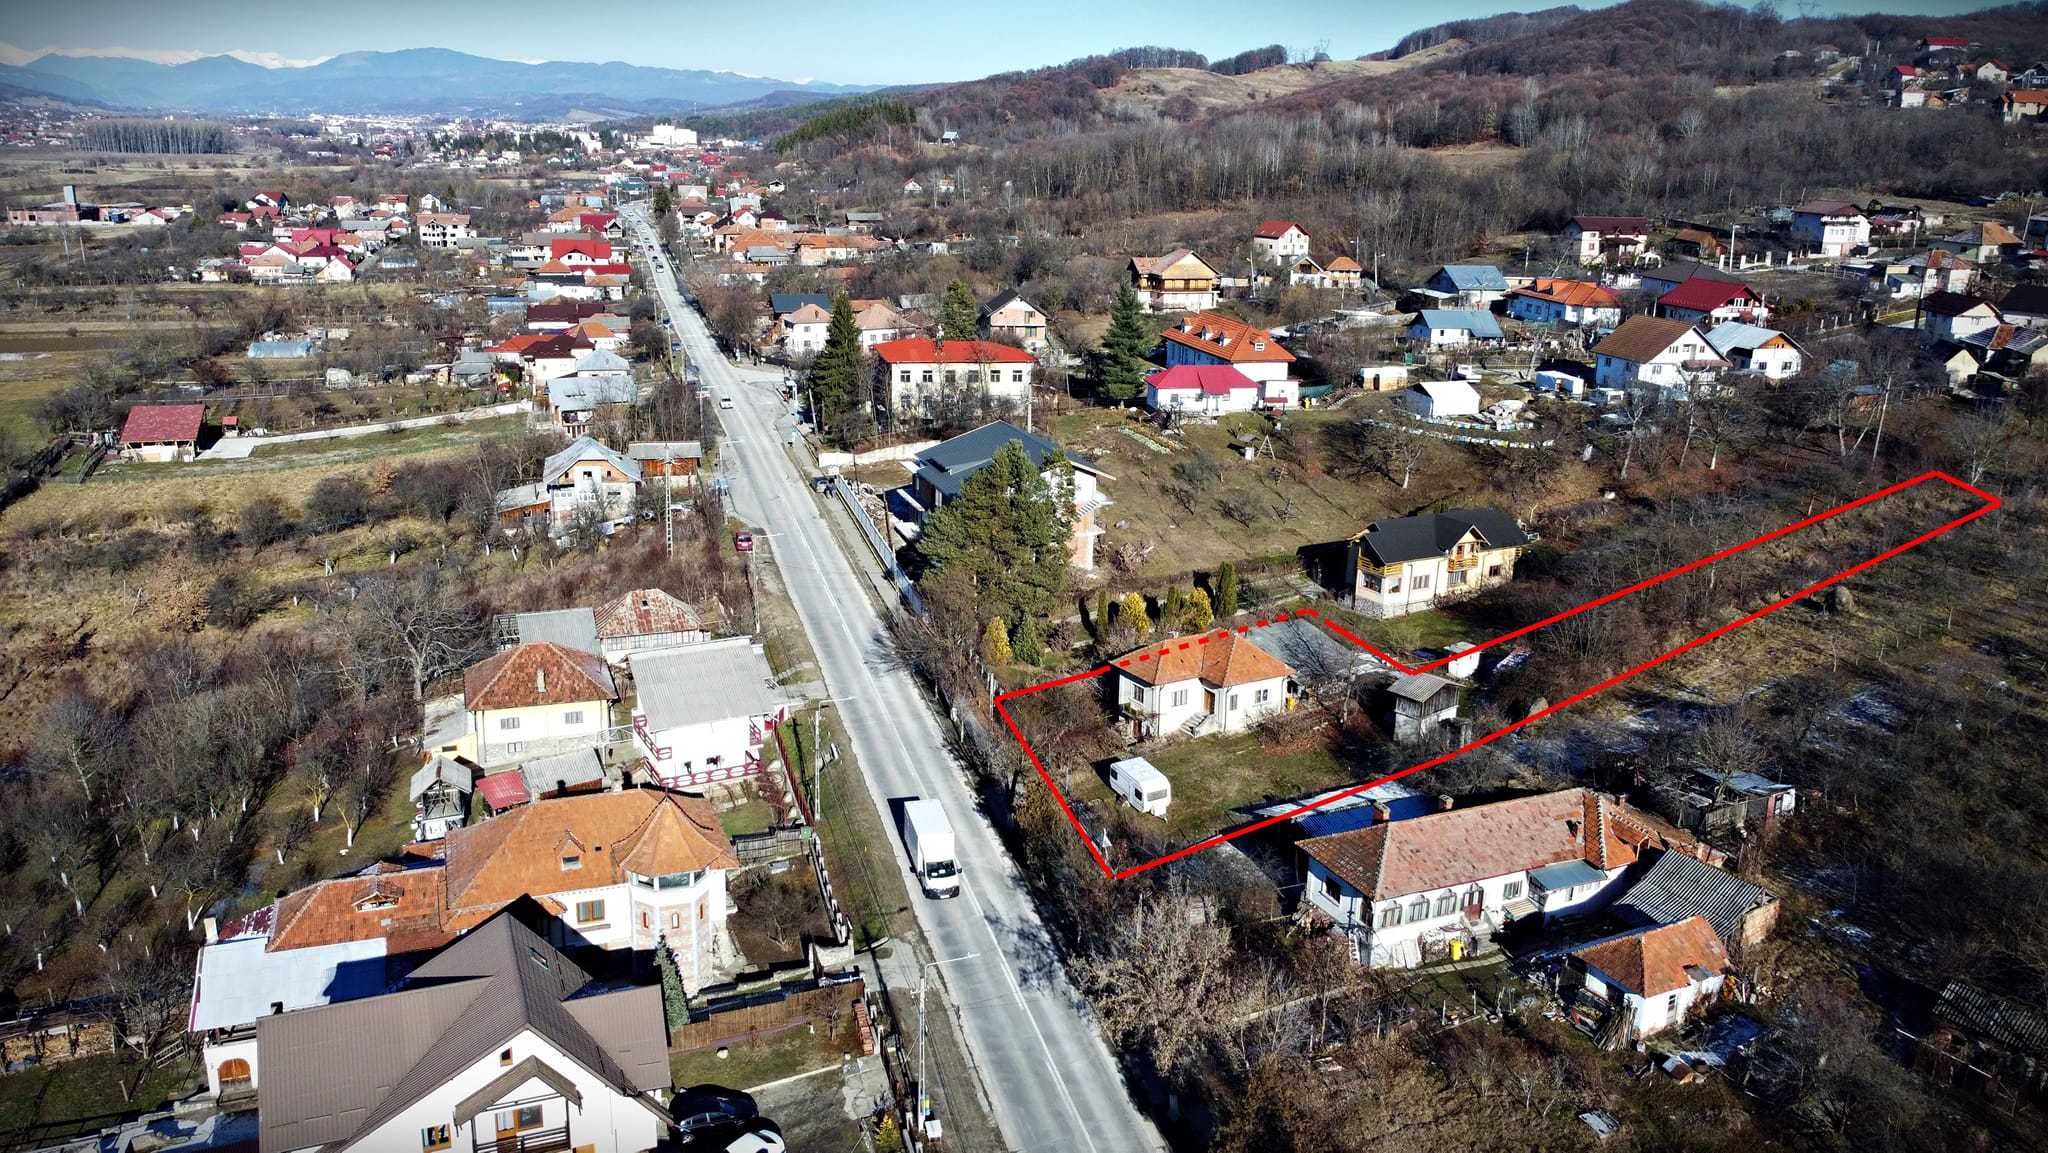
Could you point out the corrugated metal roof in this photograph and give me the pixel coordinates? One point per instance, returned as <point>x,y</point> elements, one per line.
<point>570,628</point>
<point>708,682</point>
<point>1677,887</point>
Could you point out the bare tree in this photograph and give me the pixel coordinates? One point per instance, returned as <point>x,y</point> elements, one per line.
<point>1157,976</point>
<point>416,623</point>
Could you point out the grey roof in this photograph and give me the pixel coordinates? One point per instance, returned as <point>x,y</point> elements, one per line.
<point>562,771</point>
<point>598,360</point>
<point>1310,649</point>
<point>579,449</point>
<point>1433,534</point>
<point>1471,278</point>
<point>336,1074</point>
<point>571,628</point>
<point>665,450</point>
<point>946,466</point>
<point>1679,271</point>
<point>1480,323</point>
<point>1565,874</point>
<point>1678,888</point>
<point>707,682</point>
<point>577,392</point>
<point>784,303</point>
<point>1730,335</point>
<point>1004,299</point>
<point>1419,687</point>
<point>2009,1023</point>
<point>443,768</point>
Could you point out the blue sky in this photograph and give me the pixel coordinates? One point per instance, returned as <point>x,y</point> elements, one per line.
<point>848,41</point>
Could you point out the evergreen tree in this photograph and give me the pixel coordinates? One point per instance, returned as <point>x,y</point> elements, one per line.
<point>1131,611</point>
<point>995,642</point>
<point>1010,532</point>
<point>1170,607</point>
<point>675,1003</point>
<point>959,315</point>
<point>1030,649</point>
<point>1226,590</point>
<point>1101,613</point>
<point>1124,347</point>
<point>664,201</point>
<point>838,371</point>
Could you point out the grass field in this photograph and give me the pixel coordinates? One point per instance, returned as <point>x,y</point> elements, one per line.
<point>53,1101</point>
<point>747,1065</point>
<point>1214,776</point>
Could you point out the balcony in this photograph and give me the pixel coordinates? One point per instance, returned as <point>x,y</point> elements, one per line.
<point>1458,562</point>
<point>530,1141</point>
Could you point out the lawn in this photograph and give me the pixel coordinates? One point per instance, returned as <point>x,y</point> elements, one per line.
<point>53,1101</point>
<point>749,816</point>
<point>1215,775</point>
<point>747,1065</point>
<point>1432,629</point>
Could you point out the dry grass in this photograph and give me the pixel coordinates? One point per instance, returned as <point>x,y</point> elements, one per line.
<point>1151,87</point>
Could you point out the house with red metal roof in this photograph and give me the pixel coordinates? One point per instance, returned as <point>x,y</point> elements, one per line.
<point>1204,388</point>
<point>1279,241</point>
<point>920,379</point>
<point>1211,338</point>
<point>162,433</point>
<point>1700,300</point>
<point>580,250</point>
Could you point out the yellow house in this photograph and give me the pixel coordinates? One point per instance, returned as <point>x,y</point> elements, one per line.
<point>535,699</point>
<point>1180,281</point>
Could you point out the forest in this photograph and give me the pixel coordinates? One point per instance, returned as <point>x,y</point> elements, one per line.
<point>155,137</point>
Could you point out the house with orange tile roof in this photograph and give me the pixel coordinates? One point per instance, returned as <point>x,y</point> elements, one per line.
<point>534,699</point>
<point>1572,302</point>
<point>1657,977</point>
<point>1217,682</point>
<point>1442,884</point>
<point>1211,338</point>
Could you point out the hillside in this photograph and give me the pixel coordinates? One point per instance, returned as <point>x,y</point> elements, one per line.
<point>1184,92</point>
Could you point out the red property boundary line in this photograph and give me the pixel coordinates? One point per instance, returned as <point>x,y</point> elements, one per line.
<point>1991,504</point>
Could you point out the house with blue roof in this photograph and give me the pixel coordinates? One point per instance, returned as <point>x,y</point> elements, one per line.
<point>1467,285</point>
<point>1436,328</point>
<point>944,470</point>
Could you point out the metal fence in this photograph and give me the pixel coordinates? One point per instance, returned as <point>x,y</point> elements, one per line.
<point>879,544</point>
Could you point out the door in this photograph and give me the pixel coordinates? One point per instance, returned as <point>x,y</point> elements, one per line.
<point>1209,701</point>
<point>234,1075</point>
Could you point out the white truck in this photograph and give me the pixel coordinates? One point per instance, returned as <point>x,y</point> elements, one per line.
<point>928,838</point>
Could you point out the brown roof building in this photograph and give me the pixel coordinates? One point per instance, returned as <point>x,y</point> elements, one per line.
<point>1654,962</point>
<point>540,673</point>
<point>1219,659</point>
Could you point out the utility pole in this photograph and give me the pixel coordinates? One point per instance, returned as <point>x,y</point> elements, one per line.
<point>924,1110</point>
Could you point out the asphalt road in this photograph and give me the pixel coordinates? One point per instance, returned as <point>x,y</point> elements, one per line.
<point>1050,1076</point>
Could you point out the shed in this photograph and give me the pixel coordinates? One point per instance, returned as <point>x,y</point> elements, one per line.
<point>1440,398</point>
<point>1422,702</point>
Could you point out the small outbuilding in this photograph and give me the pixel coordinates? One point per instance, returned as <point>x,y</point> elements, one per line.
<point>162,433</point>
<point>1440,398</point>
<point>1421,703</point>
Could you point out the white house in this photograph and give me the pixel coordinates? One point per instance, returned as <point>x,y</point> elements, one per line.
<point>1217,683</point>
<point>1435,328</point>
<point>804,331</point>
<point>442,229</point>
<point>1205,388</point>
<point>1753,348</point>
<point>1011,317</point>
<point>1953,316</point>
<point>705,710</point>
<point>1831,227</point>
<point>586,474</point>
<point>1655,350</point>
<point>534,699</point>
<point>1607,239</point>
<point>1442,884</point>
<point>1279,241</point>
<point>1439,398</point>
<point>1579,302</point>
<point>1656,976</point>
<point>499,1042</point>
<point>916,377</point>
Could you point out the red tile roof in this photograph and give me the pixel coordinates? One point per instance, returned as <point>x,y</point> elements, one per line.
<point>1653,962</point>
<point>1702,295</point>
<point>401,905</point>
<point>1576,293</point>
<point>1621,225</point>
<point>1208,379</point>
<point>1228,339</point>
<point>1275,229</point>
<point>920,350</point>
<point>537,673</point>
<point>1225,659</point>
<point>163,423</point>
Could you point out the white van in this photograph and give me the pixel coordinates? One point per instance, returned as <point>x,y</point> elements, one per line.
<point>1140,784</point>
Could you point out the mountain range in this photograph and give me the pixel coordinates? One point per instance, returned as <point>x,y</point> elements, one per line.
<point>416,81</point>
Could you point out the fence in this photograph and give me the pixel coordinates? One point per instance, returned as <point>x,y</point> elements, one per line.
<point>760,1016</point>
<point>877,543</point>
<point>772,845</point>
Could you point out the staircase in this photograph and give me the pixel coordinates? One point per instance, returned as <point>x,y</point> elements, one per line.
<point>1194,724</point>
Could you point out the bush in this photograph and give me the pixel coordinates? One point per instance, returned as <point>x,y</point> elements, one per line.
<point>263,521</point>
<point>337,502</point>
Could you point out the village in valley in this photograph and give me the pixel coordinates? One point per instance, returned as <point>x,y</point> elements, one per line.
<point>1274,603</point>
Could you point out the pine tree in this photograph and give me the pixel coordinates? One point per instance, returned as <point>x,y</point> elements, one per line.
<point>1195,613</point>
<point>1010,532</point>
<point>1226,590</point>
<point>1101,613</point>
<point>837,372</point>
<point>663,199</point>
<point>1124,347</point>
<point>959,315</point>
<point>1030,649</point>
<point>995,643</point>
<point>1170,607</point>
<point>1131,611</point>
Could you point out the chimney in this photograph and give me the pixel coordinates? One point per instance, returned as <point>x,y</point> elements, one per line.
<point>1443,802</point>
<point>540,680</point>
<point>1381,813</point>
<point>71,194</point>
<point>276,1008</point>
<point>212,928</point>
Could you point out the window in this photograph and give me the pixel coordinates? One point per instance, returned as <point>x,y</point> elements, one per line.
<point>1390,916</point>
<point>1671,1006</point>
<point>1017,376</point>
<point>1233,701</point>
<point>1138,694</point>
<point>1446,904</point>
<point>1511,890</point>
<point>646,919</point>
<point>952,377</point>
<point>1493,570</point>
<point>925,379</point>
<point>589,911</point>
<point>1392,585</point>
<point>1419,911</point>
<point>675,920</point>
<point>904,376</point>
<point>1421,582</point>
<point>434,1137</point>
<point>1180,697</point>
<point>572,717</point>
<point>1260,696</point>
<point>1456,577</point>
<point>514,1120</point>
<point>513,746</point>
<point>507,724</point>
<point>505,1059</point>
<point>1332,888</point>
<point>571,861</point>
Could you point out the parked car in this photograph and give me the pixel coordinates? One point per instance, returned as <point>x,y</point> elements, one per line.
<point>743,542</point>
<point>702,1110</point>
